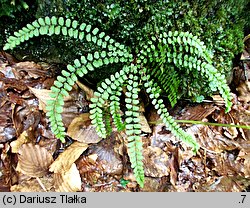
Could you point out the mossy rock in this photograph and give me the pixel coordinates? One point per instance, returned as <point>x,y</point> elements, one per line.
<point>219,26</point>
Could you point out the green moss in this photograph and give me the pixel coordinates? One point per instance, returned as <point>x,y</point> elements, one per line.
<point>219,25</point>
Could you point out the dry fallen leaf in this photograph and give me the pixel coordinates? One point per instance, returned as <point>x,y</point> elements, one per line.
<point>31,185</point>
<point>244,91</point>
<point>34,185</point>
<point>101,161</point>
<point>65,160</point>
<point>33,160</point>
<point>211,140</point>
<point>155,162</point>
<point>15,145</point>
<point>227,184</point>
<point>231,132</point>
<point>74,104</point>
<point>89,170</point>
<point>43,96</point>
<point>218,100</point>
<point>246,169</point>
<point>144,124</point>
<point>174,165</point>
<point>198,112</point>
<point>151,184</point>
<point>89,92</point>
<point>27,70</point>
<point>109,160</point>
<point>69,181</point>
<point>81,130</point>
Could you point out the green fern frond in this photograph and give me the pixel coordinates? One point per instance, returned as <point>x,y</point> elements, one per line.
<point>107,121</point>
<point>67,27</point>
<point>133,126</point>
<point>108,88</point>
<point>189,56</point>
<point>116,52</point>
<point>154,92</point>
<point>111,89</point>
<point>115,109</point>
<point>169,82</point>
<point>167,61</point>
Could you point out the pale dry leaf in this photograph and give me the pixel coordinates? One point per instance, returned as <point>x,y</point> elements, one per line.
<point>231,132</point>
<point>15,145</point>
<point>244,91</point>
<point>89,92</point>
<point>144,124</point>
<point>93,158</point>
<point>31,69</point>
<point>211,140</point>
<point>33,185</point>
<point>246,168</point>
<point>65,160</point>
<point>27,186</point>
<point>81,130</point>
<point>218,100</point>
<point>155,162</point>
<point>34,160</point>
<point>69,181</point>
<point>42,184</point>
<point>43,96</point>
<point>198,112</point>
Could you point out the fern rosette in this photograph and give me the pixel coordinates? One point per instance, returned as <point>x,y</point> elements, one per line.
<point>175,63</point>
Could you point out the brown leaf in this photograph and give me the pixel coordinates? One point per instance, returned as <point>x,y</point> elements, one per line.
<point>211,140</point>
<point>26,117</point>
<point>6,167</point>
<point>65,160</point>
<point>69,181</point>
<point>34,185</point>
<point>174,166</point>
<point>155,162</point>
<point>8,58</point>
<point>74,104</point>
<point>26,70</point>
<point>33,160</point>
<point>225,164</point>
<point>151,184</point>
<point>89,169</point>
<point>198,112</point>
<point>43,96</point>
<point>102,160</point>
<point>144,124</point>
<point>15,145</point>
<point>108,158</point>
<point>244,92</point>
<point>89,92</point>
<point>227,184</point>
<point>246,163</point>
<point>81,130</point>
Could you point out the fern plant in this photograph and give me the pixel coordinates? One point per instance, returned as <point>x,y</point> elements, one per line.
<point>156,67</point>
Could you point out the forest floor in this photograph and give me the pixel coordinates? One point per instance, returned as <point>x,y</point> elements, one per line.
<point>32,159</point>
